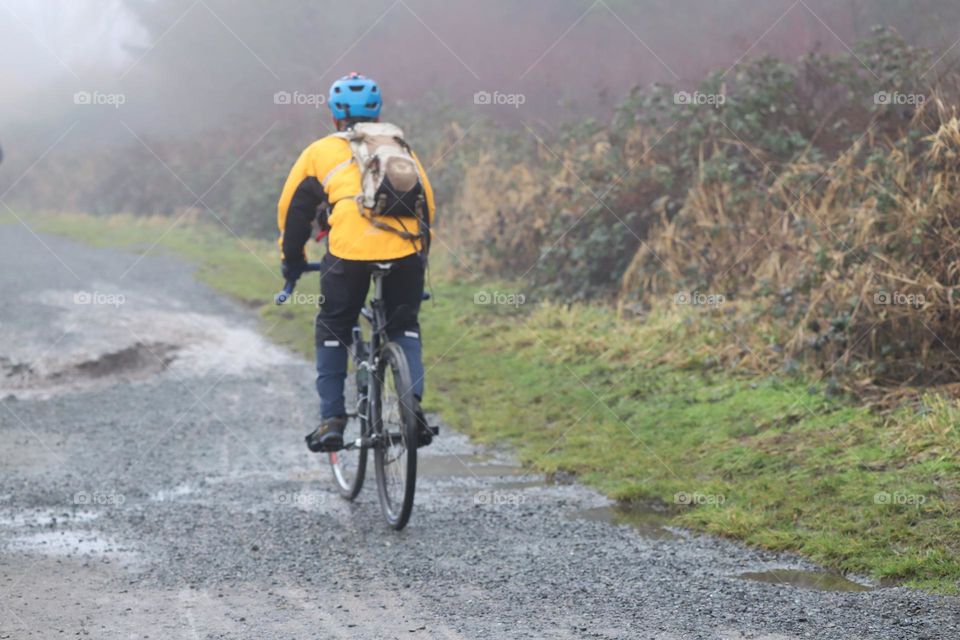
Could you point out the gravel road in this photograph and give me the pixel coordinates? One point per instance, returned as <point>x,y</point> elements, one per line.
<point>155,485</point>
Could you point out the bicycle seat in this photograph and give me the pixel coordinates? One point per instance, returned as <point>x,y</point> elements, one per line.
<point>382,268</point>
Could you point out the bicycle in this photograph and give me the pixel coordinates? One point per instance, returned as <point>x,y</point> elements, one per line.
<point>383,418</point>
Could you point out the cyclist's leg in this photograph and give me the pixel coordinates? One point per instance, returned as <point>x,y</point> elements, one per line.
<point>402,295</point>
<point>344,285</point>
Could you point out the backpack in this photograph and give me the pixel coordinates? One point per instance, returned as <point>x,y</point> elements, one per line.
<point>389,176</point>
<point>390,179</point>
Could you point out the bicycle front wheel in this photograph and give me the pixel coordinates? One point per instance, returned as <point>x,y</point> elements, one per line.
<point>395,426</point>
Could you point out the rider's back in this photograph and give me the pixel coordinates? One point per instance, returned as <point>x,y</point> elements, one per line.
<point>326,165</point>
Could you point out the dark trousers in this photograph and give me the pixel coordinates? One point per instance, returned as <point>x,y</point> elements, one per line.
<point>344,285</point>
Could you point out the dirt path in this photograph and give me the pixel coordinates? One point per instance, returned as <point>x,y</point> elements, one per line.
<point>154,484</point>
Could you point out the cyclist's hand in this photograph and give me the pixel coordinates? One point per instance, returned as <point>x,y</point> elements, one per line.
<point>292,269</point>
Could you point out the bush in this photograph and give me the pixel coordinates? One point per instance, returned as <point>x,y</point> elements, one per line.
<point>820,197</point>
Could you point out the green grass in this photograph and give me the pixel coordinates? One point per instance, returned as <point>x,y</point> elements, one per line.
<point>632,407</point>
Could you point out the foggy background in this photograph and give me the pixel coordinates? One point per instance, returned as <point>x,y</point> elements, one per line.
<point>197,78</point>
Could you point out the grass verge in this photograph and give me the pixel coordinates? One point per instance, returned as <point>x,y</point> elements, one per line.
<point>634,409</point>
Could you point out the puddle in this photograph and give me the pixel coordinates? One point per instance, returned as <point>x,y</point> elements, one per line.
<point>465,467</point>
<point>165,495</point>
<point>67,543</point>
<point>817,580</point>
<point>41,532</point>
<point>139,359</point>
<point>45,518</point>
<point>216,345</point>
<point>519,486</point>
<point>135,362</point>
<point>648,522</point>
<point>129,342</point>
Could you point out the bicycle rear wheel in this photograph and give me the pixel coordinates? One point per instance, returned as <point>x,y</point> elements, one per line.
<point>394,422</point>
<point>349,465</point>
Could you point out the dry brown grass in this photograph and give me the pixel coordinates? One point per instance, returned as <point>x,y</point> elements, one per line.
<point>854,272</point>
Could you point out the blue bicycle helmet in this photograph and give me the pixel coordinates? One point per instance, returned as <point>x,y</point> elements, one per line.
<point>355,96</point>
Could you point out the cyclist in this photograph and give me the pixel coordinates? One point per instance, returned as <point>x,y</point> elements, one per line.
<point>326,178</point>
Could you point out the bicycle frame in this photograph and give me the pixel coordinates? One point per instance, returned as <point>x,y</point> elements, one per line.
<point>375,315</point>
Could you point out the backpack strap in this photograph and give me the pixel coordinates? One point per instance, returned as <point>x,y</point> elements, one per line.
<point>327,178</point>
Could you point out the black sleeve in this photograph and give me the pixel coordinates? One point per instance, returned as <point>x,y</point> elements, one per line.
<point>303,209</point>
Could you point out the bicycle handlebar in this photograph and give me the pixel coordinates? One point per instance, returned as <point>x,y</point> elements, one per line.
<point>287,291</point>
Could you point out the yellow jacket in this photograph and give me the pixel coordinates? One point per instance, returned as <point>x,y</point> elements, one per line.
<point>352,236</point>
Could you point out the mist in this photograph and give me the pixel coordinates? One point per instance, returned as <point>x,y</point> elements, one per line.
<point>185,65</point>
<point>54,44</point>
<point>192,89</point>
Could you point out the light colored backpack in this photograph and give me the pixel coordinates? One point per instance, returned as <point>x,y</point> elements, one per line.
<point>390,178</point>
